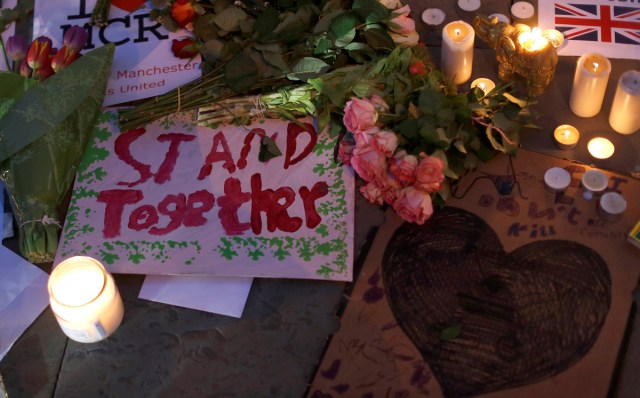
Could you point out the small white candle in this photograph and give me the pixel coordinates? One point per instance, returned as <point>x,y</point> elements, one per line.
<point>85,299</point>
<point>611,206</point>
<point>594,181</point>
<point>557,179</point>
<point>469,5</point>
<point>484,84</point>
<point>501,17</point>
<point>601,148</point>
<point>625,110</point>
<point>566,136</point>
<point>522,11</point>
<point>433,16</point>
<point>457,51</point>
<point>555,37</point>
<point>589,84</point>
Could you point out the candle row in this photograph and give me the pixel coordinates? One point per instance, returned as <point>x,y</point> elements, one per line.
<point>589,87</point>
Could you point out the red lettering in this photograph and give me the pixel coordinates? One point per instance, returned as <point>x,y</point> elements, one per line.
<point>293,132</point>
<point>246,147</point>
<point>176,215</point>
<point>229,204</point>
<point>268,201</point>
<point>216,156</point>
<point>115,200</point>
<point>143,217</point>
<point>164,171</point>
<point>122,149</point>
<point>198,203</point>
<point>309,198</point>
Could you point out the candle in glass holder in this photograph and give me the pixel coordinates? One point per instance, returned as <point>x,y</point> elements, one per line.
<point>594,182</point>
<point>589,84</point>
<point>457,51</point>
<point>557,179</point>
<point>601,148</point>
<point>532,41</point>
<point>625,110</point>
<point>555,37</point>
<point>85,299</point>
<point>566,136</point>
<point>611,206</point>
<point>483,84</point>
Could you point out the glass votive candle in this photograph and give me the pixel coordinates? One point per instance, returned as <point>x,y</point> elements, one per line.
<point>601,148</point>
<point>611,206</point>
<point>555,37</point>
<point>566,136</point>
<point>484,84</point>
<point>84,299</point>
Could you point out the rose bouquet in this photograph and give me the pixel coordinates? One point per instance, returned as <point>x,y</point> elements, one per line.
<point>46,114</point>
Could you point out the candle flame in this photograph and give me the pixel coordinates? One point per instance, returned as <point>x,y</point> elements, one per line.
<point>457,32</point>
<point>567,133</point>
<point>537,33</point>
<point>482,86</point>
<point>595,66</point>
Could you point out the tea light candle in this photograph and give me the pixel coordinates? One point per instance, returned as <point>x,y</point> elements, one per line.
<point>469,5</point>
<point>589,84</point>
<point>625,110</point>
<point>501,17</point>
<point>483,84</point>
<point>611,206</point>
<point>600,148</point>
<point>522,11</point>
<point>457,51</point>
<point>433,16</point>
<point>557,179</point>
<point>566,136</point>
<point>594,181</point>
<point>85,299</point>
<point>555,37</point>
<point>532,41</point>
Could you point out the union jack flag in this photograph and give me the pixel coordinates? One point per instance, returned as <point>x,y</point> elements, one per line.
<point>601,23</point>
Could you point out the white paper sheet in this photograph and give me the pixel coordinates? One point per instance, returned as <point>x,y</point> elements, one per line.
<point>7,33</point>
<point>219,295</point>
<point>23,296</point>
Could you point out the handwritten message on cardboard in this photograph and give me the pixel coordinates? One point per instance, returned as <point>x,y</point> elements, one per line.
<point>175,198</point>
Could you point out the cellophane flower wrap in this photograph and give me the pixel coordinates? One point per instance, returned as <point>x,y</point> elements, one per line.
<point>44,129</point>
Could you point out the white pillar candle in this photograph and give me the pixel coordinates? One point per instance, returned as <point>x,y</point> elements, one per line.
<point>566,136</point>
<point>611,206</point>
<point>601,148</point>
<point>501,17</point>
<point>85,299</point>
<point>589,84</point>
<point>557,179</point>
<point>433,16</point>
<point>483,84</point>
<point>457,51</point>
<point>469,5</point>
<point>522,11</point>
<point>625,110</point>
<point>594,181</point>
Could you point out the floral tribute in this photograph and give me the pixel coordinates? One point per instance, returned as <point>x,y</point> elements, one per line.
<point>356,66</point>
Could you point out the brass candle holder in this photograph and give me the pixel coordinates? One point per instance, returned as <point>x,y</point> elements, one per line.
<point>520,52</point>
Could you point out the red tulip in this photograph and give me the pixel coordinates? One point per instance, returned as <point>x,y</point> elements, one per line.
<point>25,69</point>
<point>39,53</point>
<point>63,58</point>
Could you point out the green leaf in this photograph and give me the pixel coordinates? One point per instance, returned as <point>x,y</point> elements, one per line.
<point>379,39</point>
<point>268,149</point>
<point>14,85</point>
<point>272,53</point>
<point>343,24</point>
<point>371,11</point>
<point>266,23</point>
<point>430,101</point>
<point>241,73</point>
<point>307,68</point>
<point>344,40</point>
<point>409,128</point>
<point>360,52</point>
<point>212,50</point>
<point>450,332</point>
<point>519,102</point>
<point>229,18</point>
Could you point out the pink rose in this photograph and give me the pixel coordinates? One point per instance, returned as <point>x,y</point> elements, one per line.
<point>368,162</point>
<point>429,174</point>
<point>410,39</point>
<point>378,103</point>
<point>345,149</point>
<point>359,115</point>
<point>385,141</point>
<point>403,166</point>
<point>402,23</point>
<point>413,205</point>
<point>365,138</point>
<point>372,193</point>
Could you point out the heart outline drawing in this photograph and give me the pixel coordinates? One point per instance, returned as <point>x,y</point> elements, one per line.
<point>522,316</point>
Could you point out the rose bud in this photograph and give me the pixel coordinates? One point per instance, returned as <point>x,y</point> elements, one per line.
<point>75,38</point>
<point>17,48</point>
<point>183,12</point>
<point>63,58</point>
<point>39,52</point>
<point>184,48</point>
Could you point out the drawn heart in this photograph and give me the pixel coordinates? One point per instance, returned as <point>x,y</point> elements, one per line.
<point>127,5</point>
<point>523,316</point>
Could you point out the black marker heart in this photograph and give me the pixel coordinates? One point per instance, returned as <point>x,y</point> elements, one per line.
<point>522,316</point>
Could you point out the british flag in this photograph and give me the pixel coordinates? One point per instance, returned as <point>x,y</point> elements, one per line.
<point>597,22</point>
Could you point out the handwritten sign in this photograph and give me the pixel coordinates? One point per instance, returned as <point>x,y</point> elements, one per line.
<point>143,64</point>
<point>175,198</point>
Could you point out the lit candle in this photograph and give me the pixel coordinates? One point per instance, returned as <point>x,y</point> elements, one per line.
<point>469,5</point>
<point>457,51</point>
<point>589,84</point>
<point>433,16</point>
<point>566,136</point>
<point>611,206</point>
<point>483,84</point>
<point>600,148</point>
<point>85,299</point>
<point>594,181</point>
<point>555,37</point>
<point>501,17</point>
<point>625,110</point>
<point>557,179</point>
<point>522,11</point>
<point>532,41</point>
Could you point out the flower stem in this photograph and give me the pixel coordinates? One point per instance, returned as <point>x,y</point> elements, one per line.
<point>4,53</point>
